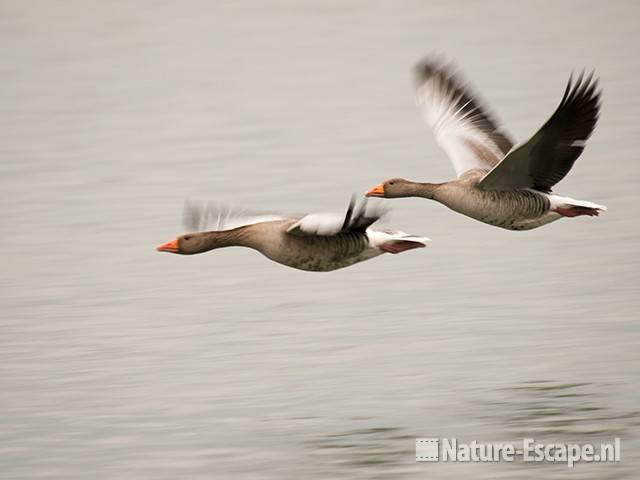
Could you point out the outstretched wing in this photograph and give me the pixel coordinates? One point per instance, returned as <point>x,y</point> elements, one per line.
<point>201,216</point>
<point>548,156</point>
<point>465,131</point>
<point>356,219</point>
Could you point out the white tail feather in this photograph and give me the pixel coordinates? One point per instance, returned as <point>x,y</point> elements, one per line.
<point>380,237</point>
<point>565,202</point>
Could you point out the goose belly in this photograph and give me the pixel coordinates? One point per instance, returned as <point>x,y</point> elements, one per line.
<point>512,209</point>
<point>322,254</point>
<point>317,263</point>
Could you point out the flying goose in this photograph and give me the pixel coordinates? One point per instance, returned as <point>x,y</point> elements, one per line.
<point>316,242</point>
<point>498,184</point>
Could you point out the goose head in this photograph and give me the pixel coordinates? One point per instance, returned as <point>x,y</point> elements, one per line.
<point>189,244</point>
<point>393,188</point>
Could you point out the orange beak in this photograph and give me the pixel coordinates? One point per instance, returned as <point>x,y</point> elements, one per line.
<point>377,191</point>
<point>171,246</point>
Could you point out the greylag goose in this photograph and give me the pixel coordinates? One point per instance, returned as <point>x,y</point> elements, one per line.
<point>314,242</point>
<point>498,184</point>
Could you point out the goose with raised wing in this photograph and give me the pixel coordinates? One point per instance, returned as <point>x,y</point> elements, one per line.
<point>318,242</point>
<point>499,184</point>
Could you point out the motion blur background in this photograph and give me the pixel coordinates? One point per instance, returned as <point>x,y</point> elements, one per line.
<point>121,362</point>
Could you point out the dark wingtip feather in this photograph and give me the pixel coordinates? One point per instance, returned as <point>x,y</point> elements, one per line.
<point>567,89</point>
<point>361,216</point>
<point>437,66</point>
<point>427,67</point>
<point>349,214</point>
<point>563,135</point>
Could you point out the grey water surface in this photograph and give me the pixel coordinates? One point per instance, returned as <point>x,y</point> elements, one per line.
<point>117,361</point>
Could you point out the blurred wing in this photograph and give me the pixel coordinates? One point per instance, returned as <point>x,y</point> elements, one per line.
<point>548,156</point>
<point>356,219</point>
<point>464,130</point>
<point>200,216</point>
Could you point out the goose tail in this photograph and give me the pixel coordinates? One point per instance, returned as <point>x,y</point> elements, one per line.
<point>568,207</point>
<point>395,241</point>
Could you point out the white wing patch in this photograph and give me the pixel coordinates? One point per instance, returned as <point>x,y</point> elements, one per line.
<point>200,216</point>
<point>357,218</point>
<point>466,132</point>
<point>318,224</point>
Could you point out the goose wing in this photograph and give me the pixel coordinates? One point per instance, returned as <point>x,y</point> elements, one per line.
<point>201,216</point>
<point>548,156</point>
<point>463,128</point>
<point>357,218</point>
